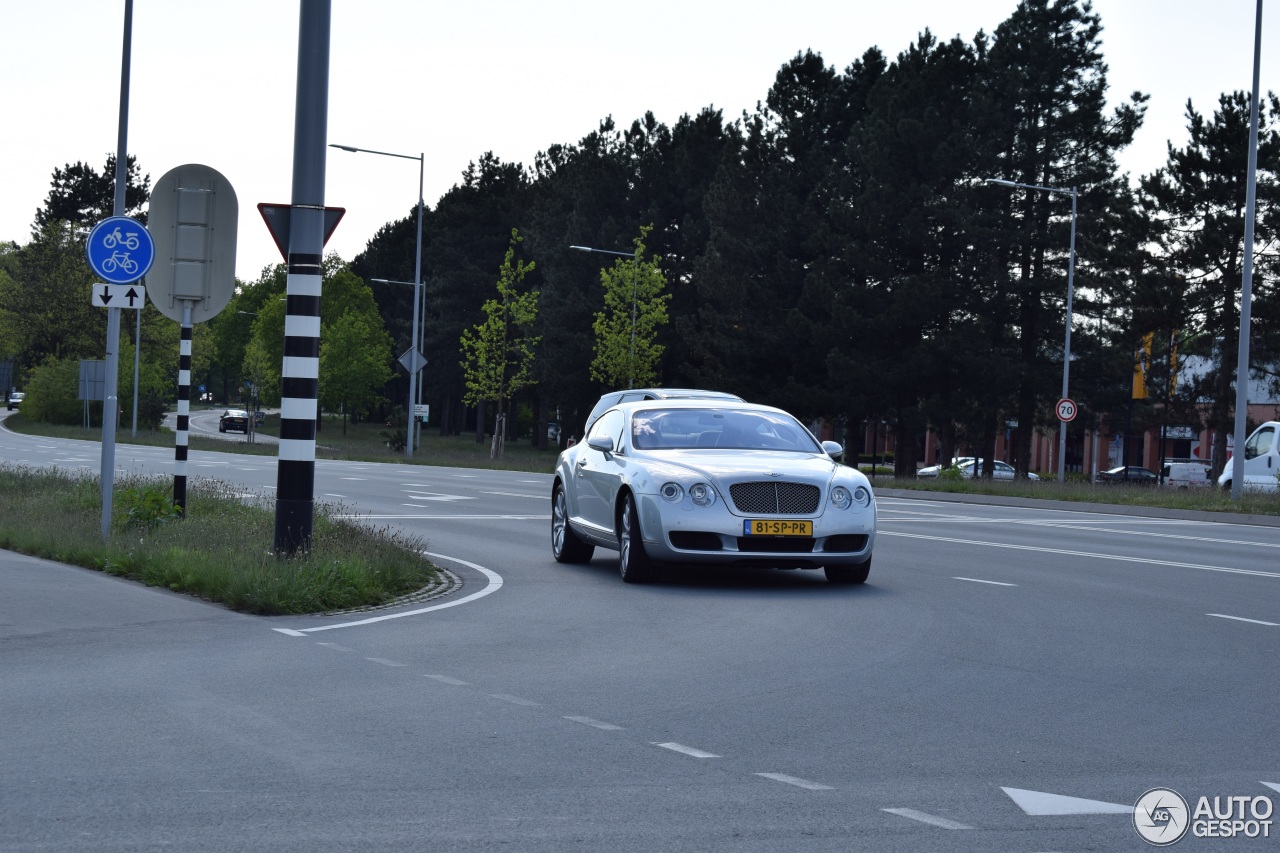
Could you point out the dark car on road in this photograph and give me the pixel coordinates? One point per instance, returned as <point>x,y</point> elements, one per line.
<point>236,420</point>
<point>1131,475</point>
<point>15,400</point>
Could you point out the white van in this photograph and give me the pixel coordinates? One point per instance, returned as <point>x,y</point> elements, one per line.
<point>1186,473</point>
<point>1261,460</point>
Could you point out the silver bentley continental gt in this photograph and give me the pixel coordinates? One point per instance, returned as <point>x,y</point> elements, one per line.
<point>710,482</point>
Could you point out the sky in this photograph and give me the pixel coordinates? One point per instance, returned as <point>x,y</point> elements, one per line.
<point>214,83</point>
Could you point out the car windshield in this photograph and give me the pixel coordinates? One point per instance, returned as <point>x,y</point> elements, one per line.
<point>236,413</point>
<point>663,429</point>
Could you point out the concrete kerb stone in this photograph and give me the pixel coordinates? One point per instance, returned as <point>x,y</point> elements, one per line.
<point>1075,506</point>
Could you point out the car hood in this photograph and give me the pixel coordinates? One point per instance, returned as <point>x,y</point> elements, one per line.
<point>722,467</point>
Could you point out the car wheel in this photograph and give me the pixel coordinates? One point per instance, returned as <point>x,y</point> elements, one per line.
<point>633,561</point>
<point>566,547</point>
<point>221,428</point>
<point>848,574</point>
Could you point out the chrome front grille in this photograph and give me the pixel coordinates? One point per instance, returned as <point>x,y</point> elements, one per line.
<point>775,498</point>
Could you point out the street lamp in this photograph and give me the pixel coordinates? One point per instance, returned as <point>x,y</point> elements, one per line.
<point>1071,272</point>
<point>635,274</point>
<point>412,366</point>
<point>417,284</point>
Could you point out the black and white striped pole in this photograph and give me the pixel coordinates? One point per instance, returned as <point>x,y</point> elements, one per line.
<point>300,373</point>
<point>184,412</point>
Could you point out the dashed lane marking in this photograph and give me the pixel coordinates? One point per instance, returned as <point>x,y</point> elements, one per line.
<point>934,820</point>
<point>799,783</point>
<point>598,724</point>
<point>687,750</point>
<point>1242,619</point>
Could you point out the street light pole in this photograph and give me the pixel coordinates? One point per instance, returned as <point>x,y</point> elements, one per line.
<point>1071,275</point>
<point>635,276</point>
<point>417,287</point>
<point>414,333</point>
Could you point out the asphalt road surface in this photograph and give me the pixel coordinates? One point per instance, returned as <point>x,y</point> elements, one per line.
<point>1012,678</point>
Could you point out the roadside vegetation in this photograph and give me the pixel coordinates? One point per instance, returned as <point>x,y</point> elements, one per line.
<point>220,552</point>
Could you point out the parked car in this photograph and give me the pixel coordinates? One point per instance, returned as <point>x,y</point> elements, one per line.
<point>970,467</point>
<point>710,481</point>
<point>1132,475</point>
<point>235,420</point>
<point>613,398</point>
<point>15,400</point>
<point>1261,460</point>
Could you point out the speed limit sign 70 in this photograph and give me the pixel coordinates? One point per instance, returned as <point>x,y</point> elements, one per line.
<point>1067,409</point>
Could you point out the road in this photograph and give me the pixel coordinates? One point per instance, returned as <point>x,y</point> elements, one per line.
<point>1010,679</point>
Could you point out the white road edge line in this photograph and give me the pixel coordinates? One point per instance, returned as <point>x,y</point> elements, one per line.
<point>799,783</point>
<point>1242,619</point>
<point>928,818</point>
<point>1067,553</point>
<point>495,584</point>
<point>980,580</point>
<point>687,750</point>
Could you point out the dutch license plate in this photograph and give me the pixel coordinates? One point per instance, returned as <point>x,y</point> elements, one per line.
<point>758,527</point>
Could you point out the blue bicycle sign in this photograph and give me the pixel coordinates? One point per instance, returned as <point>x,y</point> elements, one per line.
<point>120,250</point>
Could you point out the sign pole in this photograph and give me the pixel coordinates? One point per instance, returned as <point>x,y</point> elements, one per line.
<point>107,465</point>
<point>184,412</point>
<point>300,374</point>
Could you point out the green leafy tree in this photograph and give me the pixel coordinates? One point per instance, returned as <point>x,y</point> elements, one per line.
<point>53,393</point>
<point>82,195</point>
<point>635,305</point>
<point>355,358</point>
<point>498,353</point>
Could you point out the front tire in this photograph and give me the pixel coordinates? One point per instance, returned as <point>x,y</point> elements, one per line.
<point>848,574</point>
<point>566,547</point>
<point>633,562</point>
<point>222,427</point>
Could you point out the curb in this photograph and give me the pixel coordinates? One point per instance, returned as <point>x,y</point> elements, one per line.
<point>1074,506</point>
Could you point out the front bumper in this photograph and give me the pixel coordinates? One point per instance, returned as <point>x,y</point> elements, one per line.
<point>683,533</point>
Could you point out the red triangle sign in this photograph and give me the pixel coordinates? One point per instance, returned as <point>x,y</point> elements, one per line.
<point>277,218</point>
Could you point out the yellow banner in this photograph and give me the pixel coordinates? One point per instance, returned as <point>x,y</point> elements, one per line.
<point>1140,363</point>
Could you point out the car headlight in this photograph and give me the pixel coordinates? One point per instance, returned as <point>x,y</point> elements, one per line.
<point>702,495</point>
<point>840,498</point>
<point>671,492</point>
<point>862,496</point>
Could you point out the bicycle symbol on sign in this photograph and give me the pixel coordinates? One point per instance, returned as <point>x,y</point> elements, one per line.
<point>116,237</point>
<point>120,261</point>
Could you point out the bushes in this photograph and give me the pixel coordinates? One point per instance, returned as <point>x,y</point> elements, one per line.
<point>53,390</point>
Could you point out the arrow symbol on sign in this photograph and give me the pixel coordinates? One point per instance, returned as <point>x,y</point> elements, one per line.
<point>106,294</point>
<point>132,295</point>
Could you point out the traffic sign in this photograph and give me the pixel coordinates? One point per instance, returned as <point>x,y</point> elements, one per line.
<point>1067,410</point>
<point>278,216</point>
<point>119,296</point>
<point>120,249</point>
<point>412,360</point>
<point>194,213</point>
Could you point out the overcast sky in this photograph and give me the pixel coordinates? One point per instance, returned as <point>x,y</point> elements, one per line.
<point>213,83</point>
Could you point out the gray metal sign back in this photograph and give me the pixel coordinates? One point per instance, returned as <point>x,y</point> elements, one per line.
<point>193,219</point>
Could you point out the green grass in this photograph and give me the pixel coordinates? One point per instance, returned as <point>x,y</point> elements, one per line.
<point>362,442</point>
<point>220,553</point>
<point>1210,499</point>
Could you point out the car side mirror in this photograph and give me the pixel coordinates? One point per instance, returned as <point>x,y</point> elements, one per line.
<point>603,443</point>
<point>833,448</point>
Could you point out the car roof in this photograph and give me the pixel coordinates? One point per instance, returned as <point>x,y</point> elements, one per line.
<point>699,403</point>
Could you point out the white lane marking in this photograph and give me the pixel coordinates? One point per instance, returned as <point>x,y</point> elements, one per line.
<point>431,496</point>
<point>335,646</point>
<point>495,584</point>
<point>1042,803</point>
<point>687,750</point>
<point>514,700</point>
<point>928,818</point>
<point>980,580</point>
<point>799,783</point>
<point>386,662</point>
<point>332,495</point>
<point>1272,785</point>
<point>1067,553</point>
<point>517,495</point>
<point>446,679</point>
<point>1089,527</point>
<point>291,633</point>
<point>587,721</point>
<point>1242,619</point>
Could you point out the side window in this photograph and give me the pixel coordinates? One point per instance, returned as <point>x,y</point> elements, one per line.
<point>1260,443</point>
<point>610,424</point>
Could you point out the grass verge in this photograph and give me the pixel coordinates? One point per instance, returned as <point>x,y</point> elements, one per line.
<point>220,554</point>
<point>362,442</point>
